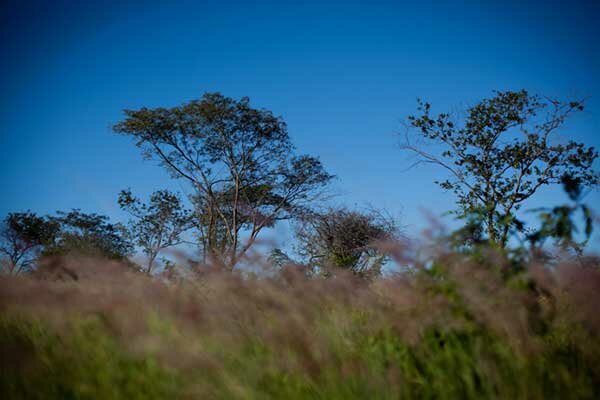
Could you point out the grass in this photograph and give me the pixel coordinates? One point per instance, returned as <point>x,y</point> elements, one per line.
<point>459,330</point>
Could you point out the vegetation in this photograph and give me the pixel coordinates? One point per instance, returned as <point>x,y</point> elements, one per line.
<point>26,236</point>
<point>158,225</point>
<point>457,330</point>
<point>347,239</point>
<point>86,234</point>
<point>239,162</point>
<point>22,238</point>
<point>493,310</point>
<point>501,155</point>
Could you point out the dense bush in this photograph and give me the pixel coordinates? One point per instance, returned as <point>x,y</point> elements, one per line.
<point>457,329</point>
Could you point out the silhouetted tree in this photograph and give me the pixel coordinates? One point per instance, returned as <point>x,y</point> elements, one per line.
<point>22,239</point>
<point>346,239</point>
<point>87,234</point>
<point>239,161</point>
<point>158,224</point>
<point>500,155</point>
<point>279,258</point>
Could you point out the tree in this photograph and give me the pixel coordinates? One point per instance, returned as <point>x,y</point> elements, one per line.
<point>346,239</point>
<point>87,234</point>
<point>239,161</point>
<point>500,155</point>
<point>157,225</point>
<point>22,238</point>
<point>278,258</point>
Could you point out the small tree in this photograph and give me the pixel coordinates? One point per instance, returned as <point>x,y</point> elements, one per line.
<point>87,234</point>
<point>157,225</point>
<point>22,239</point>
<point>500,155</point>
<point>26,236</point>
<point>239,161</point>
<point>346,239</point>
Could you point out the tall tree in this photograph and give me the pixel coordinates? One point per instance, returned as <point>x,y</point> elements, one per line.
<point>22,239</point>
<point>158,224</point>
<point>500,155</point>
<point>239,161</point>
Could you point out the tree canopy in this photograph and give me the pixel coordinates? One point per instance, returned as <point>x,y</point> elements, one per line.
<point>500,154</point>
<point>239,161</point>
<point>156,225</point>
<point>22,237</point>
<point>87,234</point>
<point>26,236</point>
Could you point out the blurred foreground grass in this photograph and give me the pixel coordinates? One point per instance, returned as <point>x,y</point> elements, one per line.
<point>458,330</point>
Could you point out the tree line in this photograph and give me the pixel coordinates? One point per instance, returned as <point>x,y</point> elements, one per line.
<point>244,175</point>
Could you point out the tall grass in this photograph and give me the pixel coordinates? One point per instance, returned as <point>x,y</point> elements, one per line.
<point>461,328</point>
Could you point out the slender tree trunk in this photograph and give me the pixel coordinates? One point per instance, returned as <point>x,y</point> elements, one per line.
<point>490,225</point>
<point>504,237</point>
<point>151,259</point>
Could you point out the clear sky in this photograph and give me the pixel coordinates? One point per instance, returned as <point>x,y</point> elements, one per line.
<point>342,74</point>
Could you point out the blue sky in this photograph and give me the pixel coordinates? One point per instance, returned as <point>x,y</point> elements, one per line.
<point>342,74</point>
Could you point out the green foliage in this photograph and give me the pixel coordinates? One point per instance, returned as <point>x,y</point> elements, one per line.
<point>501,154</point>
<point>559,224</point>
<point>239,161</point>
<point>87,234</point>
<point>157,225</point>
<point>26,236</point>
<point>22,238</point>
<point>279,258</point>
<point>84,364</point>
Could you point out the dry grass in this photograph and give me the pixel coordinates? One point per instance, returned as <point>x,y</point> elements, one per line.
<point>461,328</point>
